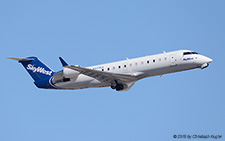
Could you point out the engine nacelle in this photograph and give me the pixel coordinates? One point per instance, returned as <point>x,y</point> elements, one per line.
<point>69,73</point>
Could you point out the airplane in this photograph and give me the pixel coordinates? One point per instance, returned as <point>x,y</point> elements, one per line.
<point>120,75</point>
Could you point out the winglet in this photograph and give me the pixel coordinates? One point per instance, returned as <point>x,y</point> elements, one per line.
<point>63,62</point>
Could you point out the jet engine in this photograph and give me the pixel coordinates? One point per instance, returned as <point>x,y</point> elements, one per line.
<point>69,73</point>
<point>65,75</point>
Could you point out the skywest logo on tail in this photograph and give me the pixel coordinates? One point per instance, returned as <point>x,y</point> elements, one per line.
<point>38,69</point>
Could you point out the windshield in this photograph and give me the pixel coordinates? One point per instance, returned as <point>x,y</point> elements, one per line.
<point>188,53</point>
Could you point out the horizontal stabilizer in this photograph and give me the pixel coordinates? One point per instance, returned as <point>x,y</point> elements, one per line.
<point>20,59</point>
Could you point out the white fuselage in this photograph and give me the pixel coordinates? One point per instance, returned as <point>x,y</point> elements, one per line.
<point>142,67</point>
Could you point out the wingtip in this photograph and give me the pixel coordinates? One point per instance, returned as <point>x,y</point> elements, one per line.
<point>64,64</point>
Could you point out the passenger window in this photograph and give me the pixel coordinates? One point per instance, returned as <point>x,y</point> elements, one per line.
<point>113,68</point>
<point>119,67</point>
<point>153,60</point>
<point>159,59</point>
<point>108,69</point>
<point>102,69</point>
<point>142,62</point>
<point>130,65</point>
<point>136,64</point>
<point>147,62</point>
<point>165,58</point>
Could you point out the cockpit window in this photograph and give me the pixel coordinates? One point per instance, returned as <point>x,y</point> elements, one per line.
<point>194,52</point>
<point>188,53</point>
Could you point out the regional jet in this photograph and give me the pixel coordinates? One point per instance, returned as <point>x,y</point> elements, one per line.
<point>120,75</point>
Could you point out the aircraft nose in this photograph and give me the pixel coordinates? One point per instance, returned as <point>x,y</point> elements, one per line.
<point>209,60</point>
<point>205,61</point>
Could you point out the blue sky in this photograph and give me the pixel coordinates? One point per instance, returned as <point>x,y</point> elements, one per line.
<point>93,32</point>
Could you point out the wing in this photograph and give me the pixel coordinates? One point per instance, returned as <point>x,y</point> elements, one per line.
<point>106,77</point>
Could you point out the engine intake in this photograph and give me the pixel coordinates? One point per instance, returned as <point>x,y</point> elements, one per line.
<point>69,73</point>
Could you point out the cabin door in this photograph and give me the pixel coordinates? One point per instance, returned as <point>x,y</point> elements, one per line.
<point>173,60</point>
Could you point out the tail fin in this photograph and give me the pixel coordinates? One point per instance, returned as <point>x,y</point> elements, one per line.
<point>37,69</point>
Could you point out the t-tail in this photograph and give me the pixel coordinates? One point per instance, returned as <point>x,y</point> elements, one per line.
<point>40,72</point>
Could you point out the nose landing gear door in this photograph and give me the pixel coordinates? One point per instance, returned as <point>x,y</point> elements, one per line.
<point>173,60</point>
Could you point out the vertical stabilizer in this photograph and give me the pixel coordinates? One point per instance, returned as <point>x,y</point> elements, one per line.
<point>37,69</point>
<point>40,72</point>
